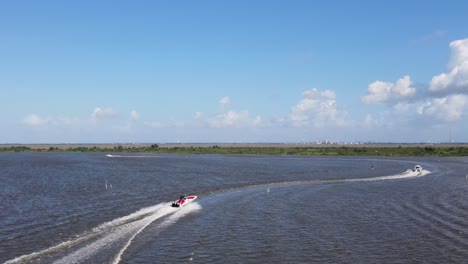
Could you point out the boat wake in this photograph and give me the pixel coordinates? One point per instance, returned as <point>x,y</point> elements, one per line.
<point>131,156</point>
<point>406,174</point>
<point>403,175</point>
<point>111,238</point>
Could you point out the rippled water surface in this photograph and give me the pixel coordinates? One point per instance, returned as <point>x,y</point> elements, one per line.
<point>61,208</point>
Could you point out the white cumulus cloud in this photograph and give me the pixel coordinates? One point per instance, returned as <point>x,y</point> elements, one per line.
<point>455,80</point>
<point>317,109</point>
<point>232,119</point>
<point>100,113</point>
<point>34,120</point>
<point>371,121</point>
<point>224,101</point>
<point>385,92</point>
<point>134,115</point>
<point>198,115</point>
<point>446,109</point>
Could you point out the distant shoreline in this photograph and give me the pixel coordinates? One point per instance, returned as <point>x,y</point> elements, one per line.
<point>65,146</point>
<point>302,149</point>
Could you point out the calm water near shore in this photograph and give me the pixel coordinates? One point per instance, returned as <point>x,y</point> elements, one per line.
<point>91,208</point>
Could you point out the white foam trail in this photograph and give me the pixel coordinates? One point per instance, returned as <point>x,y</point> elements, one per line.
<point>189,208</point>
<point>66,244</point>
<point>130,156</point>
<point>117,233</point>
<point>140,213</point>
<point>112,231</point>
<point>403,175</point>
<point>185,210</point>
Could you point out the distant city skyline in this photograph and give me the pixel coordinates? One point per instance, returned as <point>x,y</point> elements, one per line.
<point>234,72</point>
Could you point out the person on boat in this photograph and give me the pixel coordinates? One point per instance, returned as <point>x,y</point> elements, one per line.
<point>182,199</point>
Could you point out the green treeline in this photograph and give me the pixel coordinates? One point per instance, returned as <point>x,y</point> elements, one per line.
<point>400,151</point>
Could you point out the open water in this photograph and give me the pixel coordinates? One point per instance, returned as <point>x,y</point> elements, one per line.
<point>61,208</point>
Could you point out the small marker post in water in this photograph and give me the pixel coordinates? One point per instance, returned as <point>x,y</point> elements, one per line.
<point>268,190</point>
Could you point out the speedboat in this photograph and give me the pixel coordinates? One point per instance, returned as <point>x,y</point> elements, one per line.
<point>183,200</point>
<point>417,168</point>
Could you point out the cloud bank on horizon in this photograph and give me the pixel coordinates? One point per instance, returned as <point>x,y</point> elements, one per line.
<point>443,101</point>
<point>241,72</point>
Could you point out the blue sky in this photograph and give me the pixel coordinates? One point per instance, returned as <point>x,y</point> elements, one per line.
<point>233,71</point>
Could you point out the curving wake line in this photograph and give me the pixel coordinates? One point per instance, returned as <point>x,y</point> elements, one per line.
<point>131,156</point>
<point>120,233</point>
<point>116,235</point>
<point>406,174</point>
<point>403,175</point>
<point>171,220</point>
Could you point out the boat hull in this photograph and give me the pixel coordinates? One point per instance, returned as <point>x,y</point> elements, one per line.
<point>183,201</point>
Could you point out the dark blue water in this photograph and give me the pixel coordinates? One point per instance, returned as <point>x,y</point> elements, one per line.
<point>55,207</point>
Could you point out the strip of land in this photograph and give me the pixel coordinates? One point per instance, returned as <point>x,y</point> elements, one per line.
<point>306,149</point>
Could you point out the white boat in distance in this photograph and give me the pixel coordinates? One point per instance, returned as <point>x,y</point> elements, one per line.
<point>418,168</point>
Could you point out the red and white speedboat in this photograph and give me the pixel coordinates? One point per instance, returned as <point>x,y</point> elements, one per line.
<point>183,200</point>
